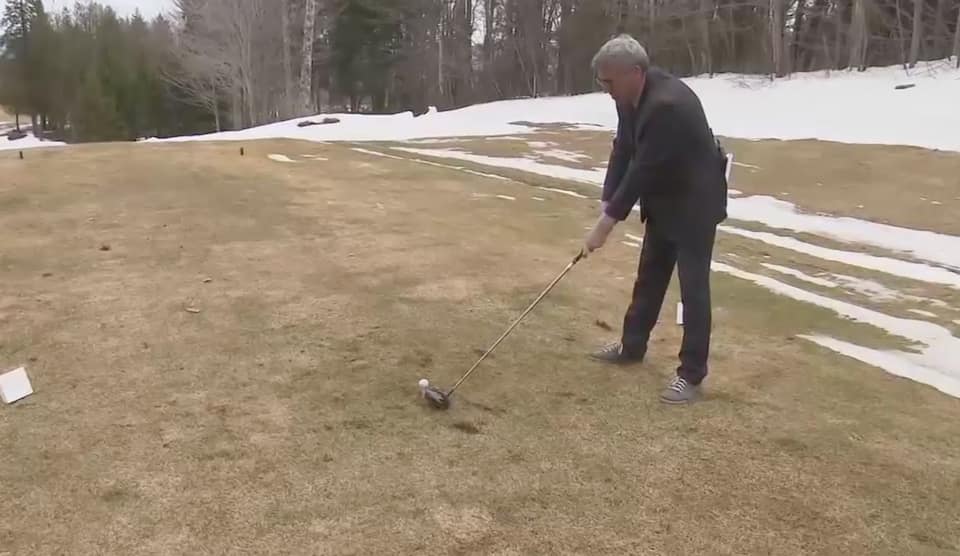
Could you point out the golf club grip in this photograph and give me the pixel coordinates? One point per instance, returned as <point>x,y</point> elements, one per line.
<point>516,322</point>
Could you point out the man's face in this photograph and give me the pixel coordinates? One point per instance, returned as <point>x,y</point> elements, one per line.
<point>623,84</point>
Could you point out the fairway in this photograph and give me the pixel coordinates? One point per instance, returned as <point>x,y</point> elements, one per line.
<point>225,351</point>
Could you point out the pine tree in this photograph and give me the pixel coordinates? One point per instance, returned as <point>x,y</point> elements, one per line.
<point>18,16</point>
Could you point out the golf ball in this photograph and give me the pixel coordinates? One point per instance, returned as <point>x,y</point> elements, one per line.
<point>424,383</point>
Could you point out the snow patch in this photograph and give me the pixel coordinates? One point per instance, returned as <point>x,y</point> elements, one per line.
<point>432,163</point>
<point>896,267</point>
<point>923,313</point>
<point>929,246</point>
<point>938,348</point>
<point>28,142</point>
<point>516,163</point>
<point>560,154</point>
<point>800,275</point>
<point>280,158</point>
<point>563,192</point>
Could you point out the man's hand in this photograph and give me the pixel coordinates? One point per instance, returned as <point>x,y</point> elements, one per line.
<point>599,234</point>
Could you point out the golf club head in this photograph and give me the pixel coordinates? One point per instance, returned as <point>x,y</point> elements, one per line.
<point>436,398</point>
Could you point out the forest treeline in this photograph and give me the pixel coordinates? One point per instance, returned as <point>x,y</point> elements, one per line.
<point>86,74</point>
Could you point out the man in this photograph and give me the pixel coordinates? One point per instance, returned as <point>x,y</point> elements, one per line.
<point>666,159</point>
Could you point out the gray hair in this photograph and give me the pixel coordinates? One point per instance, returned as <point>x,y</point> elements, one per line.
<point>622,50</point>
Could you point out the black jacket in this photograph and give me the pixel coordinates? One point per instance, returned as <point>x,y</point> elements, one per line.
<point>666,158</point>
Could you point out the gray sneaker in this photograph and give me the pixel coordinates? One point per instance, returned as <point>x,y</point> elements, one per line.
<point>614,353</point>
<point>679,391</point>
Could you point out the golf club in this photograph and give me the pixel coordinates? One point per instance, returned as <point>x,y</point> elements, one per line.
<point>440,399</point>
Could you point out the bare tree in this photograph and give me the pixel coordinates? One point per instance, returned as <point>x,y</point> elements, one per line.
<point>286,108</point>
<point>306,58</point>
<point>858,36</point>
<point>197,62</point>
<point>956,39</point>
<point>777,22</point>
<point>917,31</point>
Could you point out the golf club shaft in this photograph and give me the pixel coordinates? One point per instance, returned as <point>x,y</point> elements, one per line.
<point>516,322</point>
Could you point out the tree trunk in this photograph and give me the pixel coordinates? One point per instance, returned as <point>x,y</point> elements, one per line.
<point>564,49</point>
<point>306,64</point>
<point>706,49</point>
<point>956,39</point>
<point>440,61</point>
<point>941,33</point>
<point>653,24</point>
<point>623,14</point>
<point>777,10</point>
<point>901,35</point>
<point>858,36</point>
<point>215,105</point>
<point>917,30</point>
<point>286,105</point>
<point>797,48</point>
<point>489,47</point>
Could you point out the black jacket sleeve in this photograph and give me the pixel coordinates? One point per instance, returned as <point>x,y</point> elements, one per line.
<point>617,165</point>
<point>653,163</point>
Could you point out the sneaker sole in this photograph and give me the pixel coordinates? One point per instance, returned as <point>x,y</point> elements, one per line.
<point>695,398</point>
<point>676,402</point>
<point>628,361</point>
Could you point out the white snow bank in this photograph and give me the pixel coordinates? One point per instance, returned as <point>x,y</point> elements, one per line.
<point>857,107</point>
<point>28,142</point>
<point>934,365</point>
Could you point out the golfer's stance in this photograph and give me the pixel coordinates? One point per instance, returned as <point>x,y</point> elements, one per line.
<point>666,159</point>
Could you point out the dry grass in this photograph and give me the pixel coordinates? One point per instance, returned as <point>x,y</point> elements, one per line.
<point>282,418</point>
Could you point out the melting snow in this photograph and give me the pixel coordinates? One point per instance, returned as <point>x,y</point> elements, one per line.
<point>432,163</point>
<point>566,156</point>
<point>799,275</point>
<point>934,365</point>
<point>280,158</point>
<point>905,269</point>
<point>563,192</point>
<point>930,246</point>
<point>923,313</point>
<point>516,163</point>
<point>28,142</point>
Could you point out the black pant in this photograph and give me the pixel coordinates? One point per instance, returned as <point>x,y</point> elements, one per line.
<point>692,256</point>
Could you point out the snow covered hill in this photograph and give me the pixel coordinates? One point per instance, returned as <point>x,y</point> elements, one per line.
<point>852,107</point>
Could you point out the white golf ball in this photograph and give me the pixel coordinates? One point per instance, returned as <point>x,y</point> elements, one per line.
<point>424,383</point>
